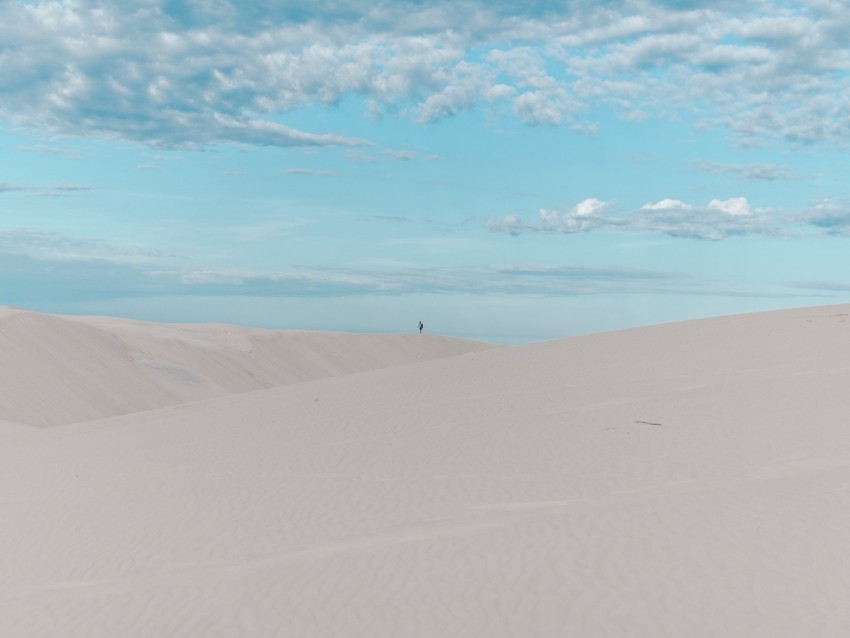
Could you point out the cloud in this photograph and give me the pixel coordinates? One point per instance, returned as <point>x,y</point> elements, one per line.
<point>571,280</point>
<point>512,224</point>
<point>587,215</point>
<point>766,172</point>
<point>51,150</point>
<point>833,218</point>
<point>763,71</point>
<point>42,265</point>
<point>309,171</point>
<point>39,266</point>
<point>360,156</point>
<point>719,219</point>
<point>403,280</point>
<point>400,156</point>
<point>667,204</point>
<point>544,107</point>
<point>264,133</point>
<point>829,286</point>
<point>55,247</point>
<point>405,155</point>
<point>34,282</point>
<point>395,279</point>
<point>54,189</point>
<point>189,74</point>
<point>70,188</point>
<point>716,220</point>
<point>542,99</point>
<point>130,72</point>
<point>463,86</point>
<point>738,206</point>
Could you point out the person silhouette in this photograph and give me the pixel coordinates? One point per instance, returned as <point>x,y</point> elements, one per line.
<point>421,325</point>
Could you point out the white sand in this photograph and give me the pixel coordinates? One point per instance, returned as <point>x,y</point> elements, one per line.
<point>687,480</point>
<point>60,370</point>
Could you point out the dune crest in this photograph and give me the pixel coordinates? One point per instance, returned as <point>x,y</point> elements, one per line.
<point>60,370</point>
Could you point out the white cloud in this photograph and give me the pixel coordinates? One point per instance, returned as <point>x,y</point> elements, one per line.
<point>716,220</point>
<point>261,132</point>
<point>463,86</point>
<point>588,214</point>
<point>772,29</point>
<point>542,98</point>
<point>719,219</point>
<point>733,206</point>
<point>666,204</point>
<point>191,74</point>
<point>544,107</point>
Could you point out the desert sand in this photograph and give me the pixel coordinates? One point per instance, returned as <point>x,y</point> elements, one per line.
<point>683,480</point>
<point>60,370</point>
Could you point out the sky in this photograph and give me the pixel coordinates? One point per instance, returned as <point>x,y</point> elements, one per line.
<point>509,171</point>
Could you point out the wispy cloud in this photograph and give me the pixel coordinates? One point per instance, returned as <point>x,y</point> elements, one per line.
<point>70,188</point>
<point>308,171</point>
<point>406,155</point>
<point>57,267</point>
<point>826,286</point>
<point>404,280</point>
<point>833,218</point>
<point>766,172</point>
<point>51,150</point>
<point>49,189</point>
<point>110,269</point>
<point>58,247</point>
<point>361,156</point>
<point>390,155</point>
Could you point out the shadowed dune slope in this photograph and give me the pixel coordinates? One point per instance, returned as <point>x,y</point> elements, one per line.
<point>680,480</point>
<point>58,370</point>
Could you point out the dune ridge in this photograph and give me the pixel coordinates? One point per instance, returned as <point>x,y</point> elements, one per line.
<point>59,370</point>
<point>679,480</point>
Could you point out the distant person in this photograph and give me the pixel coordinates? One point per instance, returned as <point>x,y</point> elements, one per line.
<point>421,325</point>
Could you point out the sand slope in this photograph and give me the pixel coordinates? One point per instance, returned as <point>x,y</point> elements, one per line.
<point>681,480</point>
<point>59,370</point>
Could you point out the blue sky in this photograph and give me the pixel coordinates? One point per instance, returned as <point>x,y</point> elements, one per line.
<point>501,173</point>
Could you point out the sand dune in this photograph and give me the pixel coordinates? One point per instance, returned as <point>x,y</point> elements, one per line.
<point>59,370</point>
<point>680,480</point>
